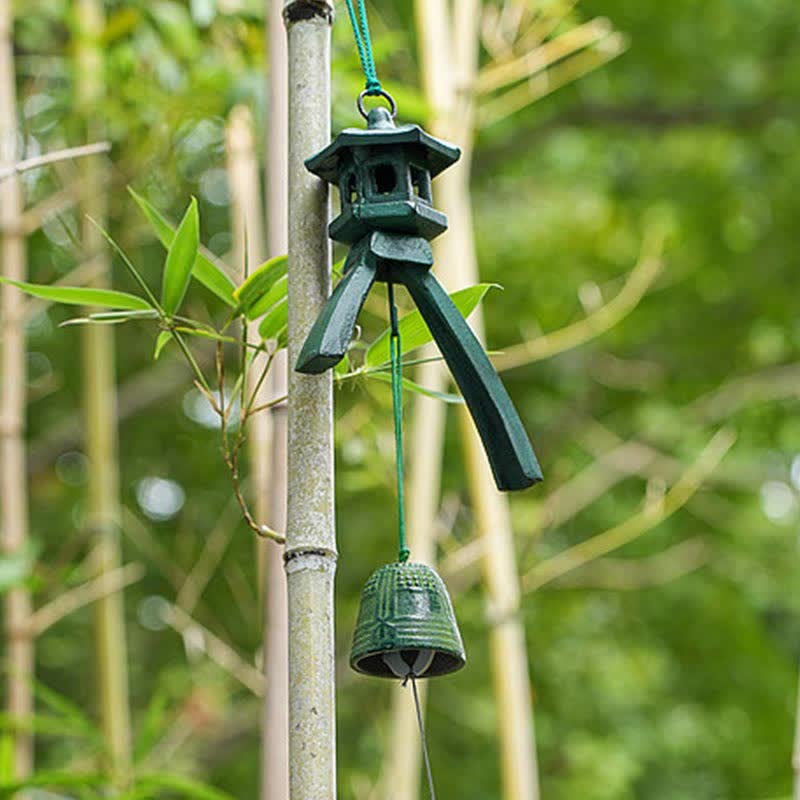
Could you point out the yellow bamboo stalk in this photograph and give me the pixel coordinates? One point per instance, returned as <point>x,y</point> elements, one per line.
<point>275,722</point>
<point>266,435</point>
<point>13,489</point>
<point>100,409</point>
<point>456,57</point>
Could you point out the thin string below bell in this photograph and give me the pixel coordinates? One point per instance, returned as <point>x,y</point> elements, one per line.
<point>422,735</point>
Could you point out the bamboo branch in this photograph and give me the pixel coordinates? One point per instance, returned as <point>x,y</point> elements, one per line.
<point>53,158</point>
<point>84,595</point>
<point>651,515</point>
<point>542,84</point>
<point>776,383</point>
<point>498,75</point>
<point>633,574</point>
<point>213,550</point>
<point>219,651</point>
<point>639,281</point>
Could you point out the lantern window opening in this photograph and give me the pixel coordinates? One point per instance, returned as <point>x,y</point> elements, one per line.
<point>421,183</point>
<point>384,178</point>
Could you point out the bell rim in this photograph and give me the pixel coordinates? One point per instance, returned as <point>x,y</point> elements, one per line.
<point>460,659</point>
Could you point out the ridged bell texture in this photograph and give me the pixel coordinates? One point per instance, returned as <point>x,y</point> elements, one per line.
<point>406,625</point>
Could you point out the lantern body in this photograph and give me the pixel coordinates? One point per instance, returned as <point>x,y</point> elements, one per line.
<point>406,610</point>
<point>384,177</point>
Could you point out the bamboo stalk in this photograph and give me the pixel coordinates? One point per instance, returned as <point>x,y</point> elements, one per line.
<point>310,533</point>
<point>457,264</point>
<point>100,409</point>
<point>275,721</point>
<point>267,477</point>
<point>13,490</point>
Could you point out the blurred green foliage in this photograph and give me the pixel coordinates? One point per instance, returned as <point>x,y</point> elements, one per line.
<point>682,688</point>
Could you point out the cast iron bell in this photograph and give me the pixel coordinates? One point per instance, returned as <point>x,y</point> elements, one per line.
<point>406,625</point>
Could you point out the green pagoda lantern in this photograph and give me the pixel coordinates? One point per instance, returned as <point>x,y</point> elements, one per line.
<point>384,175</point>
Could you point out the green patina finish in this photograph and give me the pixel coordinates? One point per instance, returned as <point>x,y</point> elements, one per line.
<point>384,178</point>
<point>405,609</point>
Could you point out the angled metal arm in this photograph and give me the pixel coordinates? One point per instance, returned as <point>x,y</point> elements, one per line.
<point>330,336</point>
<point>510,454</point>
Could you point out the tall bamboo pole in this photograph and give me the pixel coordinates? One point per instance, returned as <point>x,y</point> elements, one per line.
<point>100,409</point>
<point>310,533</point>
<point>19,660</point>
<point>267,447</point>
<point>448,59</point>
<point>275,723</point>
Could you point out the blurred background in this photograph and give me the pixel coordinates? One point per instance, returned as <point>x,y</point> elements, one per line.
<point>633,191</point>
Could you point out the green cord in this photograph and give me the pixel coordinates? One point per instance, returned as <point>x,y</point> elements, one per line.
<point>364,46</point>
<point>396,356</point>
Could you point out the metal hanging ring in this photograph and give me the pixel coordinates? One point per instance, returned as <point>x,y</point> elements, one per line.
<point>380,93</point>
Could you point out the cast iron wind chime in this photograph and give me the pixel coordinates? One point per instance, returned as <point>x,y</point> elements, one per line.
<point>406,627</point>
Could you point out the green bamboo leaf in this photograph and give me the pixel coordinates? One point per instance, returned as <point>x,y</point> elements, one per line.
<point>212,276</point>
<point>414,332</point>
<point>410,386</point>
<point>110,318</point>
<point>275,295</point>
<point>204,333</point>
<point>259,284</point>
<point>341,369</point>
<point>162,340</point>
<point>274,324</point>
<point>81,296</point>
<point>123,316</point>
<point>181,256</point>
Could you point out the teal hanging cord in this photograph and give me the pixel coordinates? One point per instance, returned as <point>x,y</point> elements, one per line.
<point>396,357</point>
<point>364,46</point>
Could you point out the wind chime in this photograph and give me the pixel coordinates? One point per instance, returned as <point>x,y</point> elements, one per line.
<point>406,627</point>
